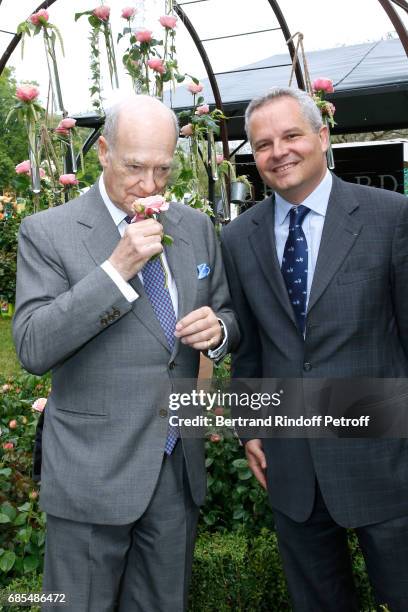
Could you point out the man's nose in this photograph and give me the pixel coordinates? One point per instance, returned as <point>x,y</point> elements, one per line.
<point>147,181</point>
<point>279,149</point>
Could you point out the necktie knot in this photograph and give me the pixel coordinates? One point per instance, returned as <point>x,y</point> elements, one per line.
<point>128,219</point>
<point>297,215</point>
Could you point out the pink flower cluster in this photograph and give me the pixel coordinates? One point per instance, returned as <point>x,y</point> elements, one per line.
<point>102,12</point>
<point>187,130</point>
<point>168,21</point>
<point>157,65</point>
<point>27,93</point>
<point>128,12</point>
<point>39,18</point>
<point>65,125</point>
<point>39,404</point>
<point>24,167</point>
<point>204,109</point>
<point>144,36</point>
<point>323,84</point>
<point>194,88</point>
<point>67,180</point>
<point>147,207</point>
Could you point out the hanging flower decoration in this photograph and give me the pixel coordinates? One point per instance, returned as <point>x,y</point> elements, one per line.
<point>99,21</point>
<point>38,23</point>
<point>322,87</point>
<point>28,110</point>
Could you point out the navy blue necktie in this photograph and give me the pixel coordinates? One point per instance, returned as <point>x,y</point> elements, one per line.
<point>155,285</point>
<point>295,262</point>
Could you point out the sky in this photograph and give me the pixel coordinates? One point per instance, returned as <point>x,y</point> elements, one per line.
<point>324,24</point>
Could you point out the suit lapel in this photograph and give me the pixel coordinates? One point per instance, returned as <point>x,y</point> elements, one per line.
<point>100,240</point>
<point>263,244</point>
<point>340,231</point>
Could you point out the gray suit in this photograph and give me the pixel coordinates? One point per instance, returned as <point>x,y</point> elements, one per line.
<point>357,326</point>
<point>106,418</point>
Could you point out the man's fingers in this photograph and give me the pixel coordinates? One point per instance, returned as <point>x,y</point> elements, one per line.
<point>195,320</point>
<point>256,460</point>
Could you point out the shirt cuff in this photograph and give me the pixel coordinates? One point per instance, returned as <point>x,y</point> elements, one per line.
<point>125,288</point>
<point>215,353</point>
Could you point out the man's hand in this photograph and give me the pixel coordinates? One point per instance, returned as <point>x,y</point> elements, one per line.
<point>256,460</point>
<point>139,243</point>
<point>200,329</point>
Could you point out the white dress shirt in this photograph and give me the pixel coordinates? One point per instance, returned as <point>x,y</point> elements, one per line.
<point>312,225</point>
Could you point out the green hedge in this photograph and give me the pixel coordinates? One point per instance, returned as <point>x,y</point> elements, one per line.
<point>234,572</point>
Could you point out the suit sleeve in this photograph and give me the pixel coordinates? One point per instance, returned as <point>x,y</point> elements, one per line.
<point>220,295</point>
<point>53,318</point>
<point>400,275</point>
<point>247,359</point>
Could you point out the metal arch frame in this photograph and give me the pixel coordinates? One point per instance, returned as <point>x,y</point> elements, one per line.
<point>17,37</point>
<point>396,19</point>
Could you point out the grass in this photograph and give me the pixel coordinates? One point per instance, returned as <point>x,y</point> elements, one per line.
<point>9,365</point>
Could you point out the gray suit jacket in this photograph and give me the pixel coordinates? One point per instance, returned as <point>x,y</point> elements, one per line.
<point>357,326</point>
<point>106,417</point>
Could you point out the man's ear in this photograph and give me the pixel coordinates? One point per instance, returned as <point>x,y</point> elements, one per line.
<point>324,137</point>
<point>103,151</point>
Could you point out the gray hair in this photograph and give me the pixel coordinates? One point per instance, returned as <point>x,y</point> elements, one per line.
<point>112,114</point>
<point>308,107</point>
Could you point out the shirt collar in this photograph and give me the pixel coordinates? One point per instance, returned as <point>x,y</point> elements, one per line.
<point>317,201</point>
<point>116,213</point>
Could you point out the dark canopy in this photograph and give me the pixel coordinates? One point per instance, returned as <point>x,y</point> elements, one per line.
<point>370,79</point>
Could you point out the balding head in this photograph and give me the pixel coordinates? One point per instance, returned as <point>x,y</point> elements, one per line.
<point>140,108</point>
<point>136,149</point>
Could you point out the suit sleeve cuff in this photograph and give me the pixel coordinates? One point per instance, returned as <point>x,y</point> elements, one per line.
<point>217,352</point>
<point>126,289</point>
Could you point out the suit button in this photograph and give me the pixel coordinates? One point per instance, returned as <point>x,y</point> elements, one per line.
<point>163,412</point>
<point>307,366</point>
<point>172,365</point>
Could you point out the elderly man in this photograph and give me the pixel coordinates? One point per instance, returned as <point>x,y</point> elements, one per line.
<point>319,280</point>
<point>120,488</point>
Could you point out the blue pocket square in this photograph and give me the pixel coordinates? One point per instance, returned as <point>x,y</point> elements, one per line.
<point>203,270</point>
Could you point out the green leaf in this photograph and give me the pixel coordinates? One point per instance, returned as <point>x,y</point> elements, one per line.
<point>7,561</point>
<point>245,474</point>
<point>239,513</point>
<point>30,563</point>
<point>240,463</point>
<point>209,461</point>
<point>21,519</point>
<point>25,507</point>
<point>4,518</point>
<point>5,472</point>
<point>8,510</point>
<point>78,15</point>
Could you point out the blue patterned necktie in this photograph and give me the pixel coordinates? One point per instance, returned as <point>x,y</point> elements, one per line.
<point>155,285</point>
<point>295,262</point>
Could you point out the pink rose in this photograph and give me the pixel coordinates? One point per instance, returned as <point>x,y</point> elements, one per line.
<point>24,167</point>
<point>39,18</point>
<point>168,21</point>
<point>61,130</point>
<point>146,207</point>
<point>156,65</point>
<point>6,387</point>
<point>33,495</point>
<point>8,446</point>
<point>144,36</point>
<point>204,109</point>
<point>322,84</point>
<point>67,123</point>
<point>187,130</point>
<point>13,424</point>
<point>219,158</point>
<point>195,88</point>
<point>128,12</point>
<point>39,404</point>
<point>102,12</point>
<point>68,180</point>
<point>27,93</point>
<point>215,438</point>
<point>219,411</point>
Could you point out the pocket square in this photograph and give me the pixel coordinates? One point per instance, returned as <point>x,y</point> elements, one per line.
<point>203,270</point>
